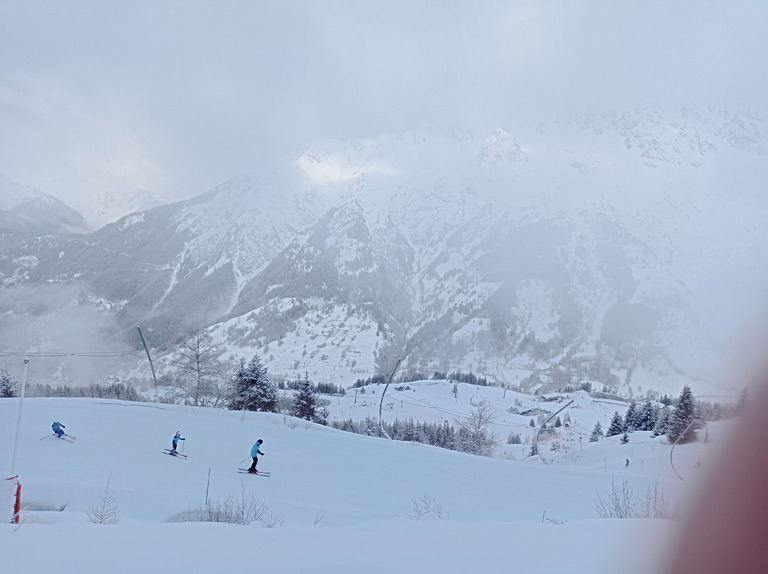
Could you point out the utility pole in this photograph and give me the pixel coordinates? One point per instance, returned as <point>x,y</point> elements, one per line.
<point>381,424</point>
<point>18,418</point>
<point>151,366</point>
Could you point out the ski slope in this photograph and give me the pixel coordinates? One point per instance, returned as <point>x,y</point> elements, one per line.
<point>344,502</point>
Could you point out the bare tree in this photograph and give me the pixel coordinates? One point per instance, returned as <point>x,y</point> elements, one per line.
<point>474,435</point>
<point>199,376</point>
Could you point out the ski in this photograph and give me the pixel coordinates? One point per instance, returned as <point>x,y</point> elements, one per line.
<point>65,438</point>
<point>257,473</point>
<point>169,453</point>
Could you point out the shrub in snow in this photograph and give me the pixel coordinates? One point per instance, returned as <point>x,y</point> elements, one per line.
<point>621,502</point>
<point>425,506</point>
<point>514,438</point>
<point>105,510</point>
<point>242,511</point>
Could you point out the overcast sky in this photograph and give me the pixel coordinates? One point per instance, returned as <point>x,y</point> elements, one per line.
<point>178,96</point>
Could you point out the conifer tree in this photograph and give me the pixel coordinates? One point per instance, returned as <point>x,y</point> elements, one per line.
<point>9,386</point>
<point>630,417</point>
<point>597,432</point>
<point>646,416</point>
<point>306,405</point>
<point>252,389</point>
<point>305,401</point>
<point>616,426</point>
<point>660,427</point>
<point>683,420</point>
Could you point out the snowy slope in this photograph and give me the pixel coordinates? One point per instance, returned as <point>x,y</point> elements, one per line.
<point>345,502</point>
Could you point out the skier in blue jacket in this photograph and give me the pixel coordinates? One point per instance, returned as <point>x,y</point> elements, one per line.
<point>255,452</point>
<point>175,442</point>
<point>58,428</point>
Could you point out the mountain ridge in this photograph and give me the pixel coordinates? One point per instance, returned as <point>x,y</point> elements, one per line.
<point>581,246</point>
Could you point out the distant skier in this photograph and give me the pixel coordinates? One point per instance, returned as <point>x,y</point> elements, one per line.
<point>255,452</point>
<point>175,442</point>
<point>58,429</point>
<point>626,463</point>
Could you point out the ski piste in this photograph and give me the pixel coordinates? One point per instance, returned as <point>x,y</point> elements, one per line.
<point>69,437</point>
<point>178,454</point>
<point>65,437</point>
<point>257,473</point>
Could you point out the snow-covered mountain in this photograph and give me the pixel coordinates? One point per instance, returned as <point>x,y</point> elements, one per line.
<point>534,254</point>
<point>111,204</point>
<point>28,211</point>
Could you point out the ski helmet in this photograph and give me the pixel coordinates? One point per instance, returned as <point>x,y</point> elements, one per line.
<point>259,441</point>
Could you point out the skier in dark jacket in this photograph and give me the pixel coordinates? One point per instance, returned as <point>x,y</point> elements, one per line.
<point>255,452</point>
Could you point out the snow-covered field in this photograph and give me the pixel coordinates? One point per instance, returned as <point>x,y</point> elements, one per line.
<point>337,502</point>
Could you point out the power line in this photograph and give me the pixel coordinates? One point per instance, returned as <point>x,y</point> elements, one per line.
<point>94,354</point>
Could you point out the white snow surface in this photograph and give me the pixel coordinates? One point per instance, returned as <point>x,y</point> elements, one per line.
<point>345,502</point>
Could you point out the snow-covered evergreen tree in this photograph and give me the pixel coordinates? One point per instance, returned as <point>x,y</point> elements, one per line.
<point>306,405</point>
<point>683,421</point>
<point>630,417</point>
<point>252,390</point>
<point>646,416</point>
<point>304,402</point>
<point>616,426</point>
<point>9,386</point>
<point>597,432</point>
<point>662,418</point>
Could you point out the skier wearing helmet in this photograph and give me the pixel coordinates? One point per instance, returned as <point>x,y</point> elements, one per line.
<point>58,428</point>
<point>175,442</point>
<point>255,452</point>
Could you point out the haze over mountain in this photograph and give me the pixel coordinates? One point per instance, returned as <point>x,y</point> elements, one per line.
<point>535,254</point>
<point>24,209</point>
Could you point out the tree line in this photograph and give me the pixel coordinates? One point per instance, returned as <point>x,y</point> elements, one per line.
<point>457,376</point>
<point>465,438</point>
<point>678,419</point>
